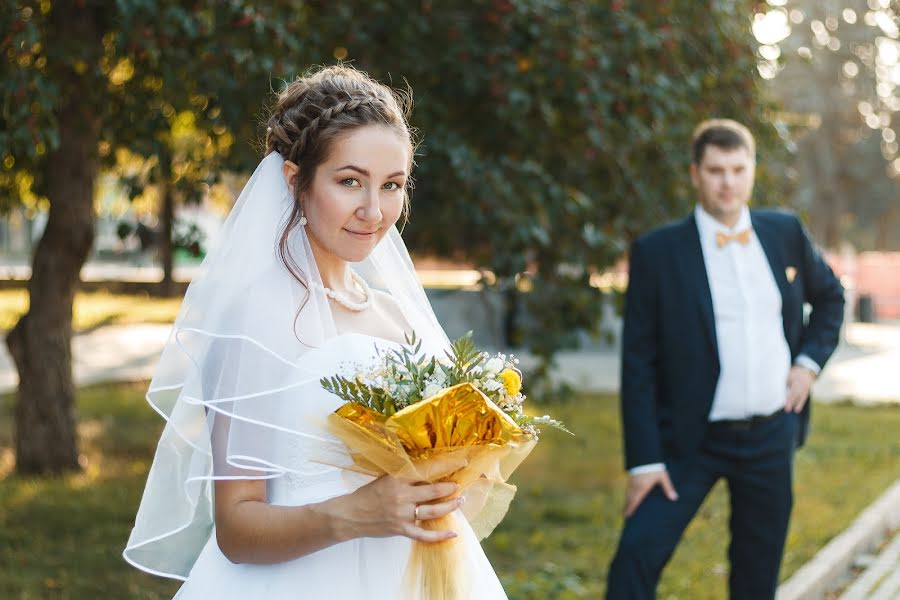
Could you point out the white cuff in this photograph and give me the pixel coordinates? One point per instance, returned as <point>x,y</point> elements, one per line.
<point>651,468</point>
<point>805,361</point>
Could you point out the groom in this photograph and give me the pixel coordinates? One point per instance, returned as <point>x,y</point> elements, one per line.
<point>717,364</point>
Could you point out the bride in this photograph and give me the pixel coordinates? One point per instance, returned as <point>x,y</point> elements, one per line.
<point>247,497</point>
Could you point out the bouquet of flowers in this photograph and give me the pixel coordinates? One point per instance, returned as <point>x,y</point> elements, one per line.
<point>407,414</point>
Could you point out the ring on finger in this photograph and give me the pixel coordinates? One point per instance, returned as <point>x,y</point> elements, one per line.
<point>416,512</point>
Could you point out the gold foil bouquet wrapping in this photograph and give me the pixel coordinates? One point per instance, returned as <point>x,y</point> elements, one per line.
<point>411,416</point>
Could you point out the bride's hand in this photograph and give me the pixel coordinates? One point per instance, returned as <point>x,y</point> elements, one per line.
<point>388,506</point>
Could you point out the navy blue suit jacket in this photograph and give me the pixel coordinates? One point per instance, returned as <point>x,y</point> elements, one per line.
<point>670,363</point>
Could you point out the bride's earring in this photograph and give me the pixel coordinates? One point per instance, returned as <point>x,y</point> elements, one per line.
<point>302,219</point>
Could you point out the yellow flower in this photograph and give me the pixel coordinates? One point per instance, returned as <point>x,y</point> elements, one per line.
<point>512,381</point>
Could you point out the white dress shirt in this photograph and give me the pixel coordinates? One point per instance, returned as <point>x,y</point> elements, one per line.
<point>754,357</point>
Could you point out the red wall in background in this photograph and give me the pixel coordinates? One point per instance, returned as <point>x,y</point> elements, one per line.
<point>874,274</point>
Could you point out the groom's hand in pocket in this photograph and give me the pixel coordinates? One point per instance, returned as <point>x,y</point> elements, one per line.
<point>642,484</point>
<point>799,383</point>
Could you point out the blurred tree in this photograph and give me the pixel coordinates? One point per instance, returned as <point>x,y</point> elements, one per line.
<point>835,72</point>
<point>554,130</point>
<point>183,162</point>
<point>78,79</point>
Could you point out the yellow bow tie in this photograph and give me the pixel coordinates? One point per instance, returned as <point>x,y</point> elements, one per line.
<point>742,237</point>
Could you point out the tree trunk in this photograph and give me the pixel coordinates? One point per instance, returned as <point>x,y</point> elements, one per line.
<point>832,214</point>
<point>167,226</point>
<point>885,230</point>
<point>511,332</point>
<point>40,343</point>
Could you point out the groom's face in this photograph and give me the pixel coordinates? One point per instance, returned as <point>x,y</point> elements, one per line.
<point>724,181</point>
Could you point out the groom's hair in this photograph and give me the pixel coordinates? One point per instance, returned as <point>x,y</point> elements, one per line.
<point>721,133</point>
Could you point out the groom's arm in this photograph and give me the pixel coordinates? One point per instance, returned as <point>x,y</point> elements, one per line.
<point>643,446</point>
<point>825,294</point>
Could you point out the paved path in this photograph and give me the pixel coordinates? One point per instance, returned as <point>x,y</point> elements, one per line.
<point>114,353</point>
<point>865,368</point>
<point>861,563</point>
<point>881,578</point>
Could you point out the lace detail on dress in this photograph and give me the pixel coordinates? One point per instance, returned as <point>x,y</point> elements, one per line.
<point>305,481</point>
<point>302,469</point>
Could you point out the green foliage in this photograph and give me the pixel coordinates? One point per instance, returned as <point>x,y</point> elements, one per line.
<point>464,358</point>
<point>354,390</point>
<point>140,67</point>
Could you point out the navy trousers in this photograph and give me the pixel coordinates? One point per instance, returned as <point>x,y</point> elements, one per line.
<point>756,462</point>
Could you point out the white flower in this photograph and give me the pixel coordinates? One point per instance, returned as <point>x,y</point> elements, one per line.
<point>495,365</point>
<point>492,385</point>
<point>531,430</point>
<point>432,388</point>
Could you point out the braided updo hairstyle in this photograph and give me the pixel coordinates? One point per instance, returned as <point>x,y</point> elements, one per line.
<point>317,108</point>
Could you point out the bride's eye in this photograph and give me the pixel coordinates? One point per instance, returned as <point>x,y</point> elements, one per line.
<point>391,185</point>
<point>350,182</point>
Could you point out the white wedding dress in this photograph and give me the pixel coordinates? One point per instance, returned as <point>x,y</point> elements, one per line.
<point>360,569</point>
<point>238,384</point>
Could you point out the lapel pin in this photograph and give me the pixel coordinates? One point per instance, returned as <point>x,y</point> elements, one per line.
<point>790,273</point>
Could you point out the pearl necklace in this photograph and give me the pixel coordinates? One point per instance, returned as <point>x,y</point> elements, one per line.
<point>346,302</point>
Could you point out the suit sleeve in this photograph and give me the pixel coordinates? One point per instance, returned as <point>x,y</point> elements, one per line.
<point>639,362</point>
<point>825,294</point>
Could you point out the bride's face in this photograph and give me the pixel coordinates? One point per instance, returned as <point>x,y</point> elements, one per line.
<point>357,194</point>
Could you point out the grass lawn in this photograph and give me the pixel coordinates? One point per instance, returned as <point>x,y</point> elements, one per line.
<point>62,538</point>
<point>95,309</point>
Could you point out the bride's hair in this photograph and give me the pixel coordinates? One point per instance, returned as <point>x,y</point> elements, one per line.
<point>317,108</point>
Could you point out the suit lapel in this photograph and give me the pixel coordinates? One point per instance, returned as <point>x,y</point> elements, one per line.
<point>694,272</point>
<point>768,239</point>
